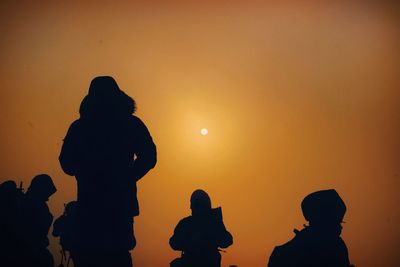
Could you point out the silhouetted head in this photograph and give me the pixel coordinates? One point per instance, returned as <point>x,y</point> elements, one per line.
<point>200,202</point>
<point>105,98</point>
<point>71,207</point>
<point>103,86</point>
<point>41,187</point>
<point>8,189</point>
<point>324,208</point>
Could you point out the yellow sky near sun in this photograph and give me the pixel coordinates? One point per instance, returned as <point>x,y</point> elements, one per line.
<point>296,98</point>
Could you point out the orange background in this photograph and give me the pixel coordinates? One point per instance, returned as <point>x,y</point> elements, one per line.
<point>296,97</point>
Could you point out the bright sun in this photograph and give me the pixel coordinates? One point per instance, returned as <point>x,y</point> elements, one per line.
<point>204,131</point>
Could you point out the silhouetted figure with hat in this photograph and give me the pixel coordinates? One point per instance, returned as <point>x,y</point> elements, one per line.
<point>319,243</point>
<point>65,227</point>
<point>36,222</point>
<point>108,150</point>
<point>201,235</point>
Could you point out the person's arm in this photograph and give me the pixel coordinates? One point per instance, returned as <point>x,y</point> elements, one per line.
<point>57,226</point>
<point>222,237</point>
<point>146,153</point>
<point>225,238</point>
<point>179,241</point>
<point>68,153</point>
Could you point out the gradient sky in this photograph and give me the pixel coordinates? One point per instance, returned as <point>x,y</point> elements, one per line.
<point>296,97</point>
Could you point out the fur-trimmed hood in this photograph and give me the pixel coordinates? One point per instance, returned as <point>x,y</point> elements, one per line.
<point>105,98</point>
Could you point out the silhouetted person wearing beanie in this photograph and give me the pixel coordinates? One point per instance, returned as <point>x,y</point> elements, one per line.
<point>201,235</point>
<point>318,244</point>
<point>108,150</point>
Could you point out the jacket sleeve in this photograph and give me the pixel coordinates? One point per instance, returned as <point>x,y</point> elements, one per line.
<point>69,149</point>
<point>223,237</point>
<point>179,241</point>
<point>146,153</point>
<point>58,225</point>
<point>226,239</point>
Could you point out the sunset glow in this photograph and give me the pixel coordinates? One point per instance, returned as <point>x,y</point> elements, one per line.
<point>258,104</point>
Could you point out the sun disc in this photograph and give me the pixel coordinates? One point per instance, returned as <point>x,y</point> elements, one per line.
<point>204,131</point>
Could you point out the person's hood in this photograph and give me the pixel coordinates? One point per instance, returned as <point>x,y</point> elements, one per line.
<point>105,98</point>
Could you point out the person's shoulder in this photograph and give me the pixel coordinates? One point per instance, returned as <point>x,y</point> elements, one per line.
<point>136,120</point>
<point>137,124</point>
<point>291,244</point>
<point>280,255</point>
<point>76,124</point>
<point>75,128</point>
<point>288,245</point>
<point>185,221</point>
<point>342,245</point>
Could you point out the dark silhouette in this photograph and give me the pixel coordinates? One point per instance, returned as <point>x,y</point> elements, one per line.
<point>318,244</point>
<point>37,220</point>
<point>25,223</point>
<point>11,199</point>
<point>200,236</point>
<point>108,150</point>
<point>66,228</point>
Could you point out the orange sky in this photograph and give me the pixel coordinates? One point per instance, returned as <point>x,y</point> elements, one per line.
<point>296,97</point>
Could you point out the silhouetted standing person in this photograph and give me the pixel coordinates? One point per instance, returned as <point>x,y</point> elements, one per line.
<point>36,221</point>
<point>108,150</point>
<point>201,235</point>
<point>318,244</point>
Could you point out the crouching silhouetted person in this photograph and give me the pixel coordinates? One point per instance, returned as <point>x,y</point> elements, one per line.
<point>65,227</point>
<point>108,150</point>
<point>318,244</point>
<point>200,236</point>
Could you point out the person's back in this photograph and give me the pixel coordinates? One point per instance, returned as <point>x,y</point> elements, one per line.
<point>318,244</point>
<point>201,235</point>
<point>100,148</point>
<point>311,249</point>
<point>104,149</point>
<point>108,150</point>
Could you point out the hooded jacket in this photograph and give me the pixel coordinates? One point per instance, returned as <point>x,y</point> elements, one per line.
<point>108,150</point>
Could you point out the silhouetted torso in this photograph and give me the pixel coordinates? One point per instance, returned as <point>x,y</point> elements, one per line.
<point>103,153</point>
<point>199,239</point>
<point>311,248</point>
<point>37,213</point>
